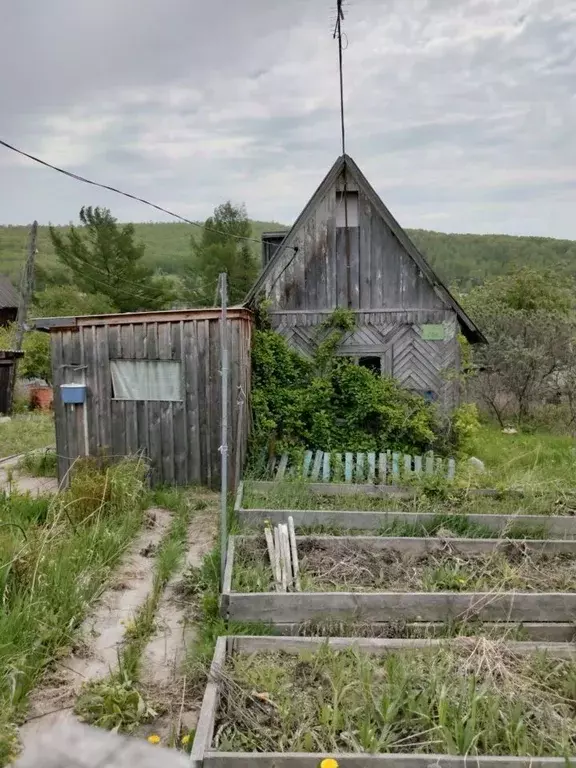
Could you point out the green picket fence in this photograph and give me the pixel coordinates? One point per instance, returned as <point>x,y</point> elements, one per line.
<point>385,468</point>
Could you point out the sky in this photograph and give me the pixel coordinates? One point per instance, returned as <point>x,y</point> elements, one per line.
<point>461,113</point>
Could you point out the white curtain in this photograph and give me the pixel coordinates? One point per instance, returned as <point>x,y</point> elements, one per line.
<point>146,379</point>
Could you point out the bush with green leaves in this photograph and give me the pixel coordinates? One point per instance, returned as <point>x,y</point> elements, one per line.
<point>328,402</point>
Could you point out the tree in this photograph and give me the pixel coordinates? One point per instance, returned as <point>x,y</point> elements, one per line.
<point>104,259</point>
<point>218,251</point>
<point>63,300</point>
<point>529,320</point>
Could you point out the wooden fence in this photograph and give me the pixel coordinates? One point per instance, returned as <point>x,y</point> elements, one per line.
<point>385,468</point>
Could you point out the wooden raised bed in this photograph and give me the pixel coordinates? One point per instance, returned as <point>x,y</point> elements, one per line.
<point>204,754</point>
<point>562,526</point>
<point>295,608</point>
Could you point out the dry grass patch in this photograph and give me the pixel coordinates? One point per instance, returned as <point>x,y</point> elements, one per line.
<point>349,566</point>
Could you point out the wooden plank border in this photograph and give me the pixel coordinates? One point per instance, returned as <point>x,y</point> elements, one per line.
<point>381,607</point>
<point>555,525</point>
<point>203,754</point>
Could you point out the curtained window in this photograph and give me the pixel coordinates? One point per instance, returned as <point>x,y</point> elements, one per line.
<point>146,379</point>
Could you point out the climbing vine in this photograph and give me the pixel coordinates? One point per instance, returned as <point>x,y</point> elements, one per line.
<point>329,403</point>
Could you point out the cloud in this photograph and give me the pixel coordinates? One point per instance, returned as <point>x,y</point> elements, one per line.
<point>460,114</point>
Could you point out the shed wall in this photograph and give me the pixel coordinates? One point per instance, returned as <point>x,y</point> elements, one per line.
<point>394,336</point>
<point>180,438</point>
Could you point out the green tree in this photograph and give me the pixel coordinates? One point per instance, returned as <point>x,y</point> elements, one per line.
<point>218,251</point>
<point>104,259</point>
<point>529,320</point>
<point>63,300</point>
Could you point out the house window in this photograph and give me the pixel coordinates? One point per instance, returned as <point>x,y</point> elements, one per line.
<point>146,380</point>
<point>351,200</point>
<point>373,364</point>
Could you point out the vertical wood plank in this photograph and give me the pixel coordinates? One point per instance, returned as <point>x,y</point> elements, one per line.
<point>92,395</point>
<point>316,466</point>
<point>282,467</point>
<point>104,389</point>
<point>418,465</point>
<point>382,468</point>
<point>338,472</point>
<point>62,448</point>
<point>348,461</point>
<point>407,464</point>
<point>326,468</point>
<point>365,252</point>
<point>371,467</point>
<point>438,466</point>
<point>191,373</point>
<point>451,469</point>
<point>306,464</point>
<point>354,233</point>
<point>429,464</point>
<point>395,467</point>
<point>360,467</point>
<point>167,443</point>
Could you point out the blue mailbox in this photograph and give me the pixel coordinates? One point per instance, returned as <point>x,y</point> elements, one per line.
<point>73,394</point>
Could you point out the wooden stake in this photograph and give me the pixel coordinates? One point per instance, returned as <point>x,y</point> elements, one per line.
<point>272,556</point>
<point>278,560</point>
<point>294,551</point>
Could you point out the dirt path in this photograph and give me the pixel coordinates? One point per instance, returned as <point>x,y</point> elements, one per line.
<point>11,479</point>
<point>102,632</point>
<point>162,676</point>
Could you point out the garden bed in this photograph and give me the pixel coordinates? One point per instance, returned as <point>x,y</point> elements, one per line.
<point>378,579</point>
<point>293,701</point>
<point>512,515</point>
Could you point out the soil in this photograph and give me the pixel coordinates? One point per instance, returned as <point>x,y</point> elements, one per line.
<point>162,660</point>
<point>96,654</point>
<point>349,566</point>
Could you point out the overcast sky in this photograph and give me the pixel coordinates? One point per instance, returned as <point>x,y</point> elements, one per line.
<point>462,113</point>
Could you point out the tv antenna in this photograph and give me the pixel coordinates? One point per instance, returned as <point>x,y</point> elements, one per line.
<point>338,35</point>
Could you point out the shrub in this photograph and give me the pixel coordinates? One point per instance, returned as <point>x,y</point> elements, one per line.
<point>329,403</point>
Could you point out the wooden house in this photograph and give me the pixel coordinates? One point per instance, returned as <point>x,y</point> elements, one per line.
<point>347,250</point>
<point>9,300</point>
<point>150,383</point>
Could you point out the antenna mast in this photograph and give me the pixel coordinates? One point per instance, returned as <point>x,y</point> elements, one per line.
<point>338,34</point>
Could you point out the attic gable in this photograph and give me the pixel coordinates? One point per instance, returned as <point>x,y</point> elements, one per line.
<point>371,265</point>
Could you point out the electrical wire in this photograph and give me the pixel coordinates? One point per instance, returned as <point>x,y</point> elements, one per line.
<point>85,180</point>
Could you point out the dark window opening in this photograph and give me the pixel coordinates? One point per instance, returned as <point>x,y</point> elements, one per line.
<point>373,364</point>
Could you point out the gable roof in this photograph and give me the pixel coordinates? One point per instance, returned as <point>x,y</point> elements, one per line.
<point>9,296</point>
<point>469,328</point>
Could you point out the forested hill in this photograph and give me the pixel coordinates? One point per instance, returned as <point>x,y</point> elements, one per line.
<point>462,260</point>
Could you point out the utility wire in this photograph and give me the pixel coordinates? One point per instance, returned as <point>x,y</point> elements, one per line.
<point>83,179</point>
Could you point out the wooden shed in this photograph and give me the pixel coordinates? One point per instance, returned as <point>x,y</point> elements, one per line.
<point>150,382</point>
<point>8,359</point>
<point>347,250</point>
<point>9,301</point>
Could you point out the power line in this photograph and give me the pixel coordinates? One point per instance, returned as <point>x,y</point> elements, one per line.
<point>83,179</point>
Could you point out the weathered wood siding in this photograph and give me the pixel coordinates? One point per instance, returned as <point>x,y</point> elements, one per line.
<point>396,337</point>
<point>181,438</point>
<point>382,274</point>
<point>393,299</point>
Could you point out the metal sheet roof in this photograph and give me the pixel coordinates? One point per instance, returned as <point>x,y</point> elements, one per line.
<point>9,296</point>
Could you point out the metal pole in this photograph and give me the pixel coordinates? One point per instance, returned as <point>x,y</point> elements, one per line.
<point>224,425</point>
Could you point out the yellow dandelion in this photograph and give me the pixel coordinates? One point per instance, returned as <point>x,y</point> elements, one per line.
<point>329,762</point>
<point>155,739</point>
<point>186,740</point>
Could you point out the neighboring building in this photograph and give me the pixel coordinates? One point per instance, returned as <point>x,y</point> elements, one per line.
<point>407,320</point>
<point>9,300</point>
<point>150,382</point>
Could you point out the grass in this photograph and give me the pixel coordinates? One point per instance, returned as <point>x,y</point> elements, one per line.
<point>415,630</point>
<point>117,703</point>
<point>475,698</point>
<point>340,565</point>
<point>25,432</point>
<point>40,464</point>
<point>56,558</point>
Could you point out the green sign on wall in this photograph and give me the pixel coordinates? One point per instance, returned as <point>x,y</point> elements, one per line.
<point>433,332</point>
